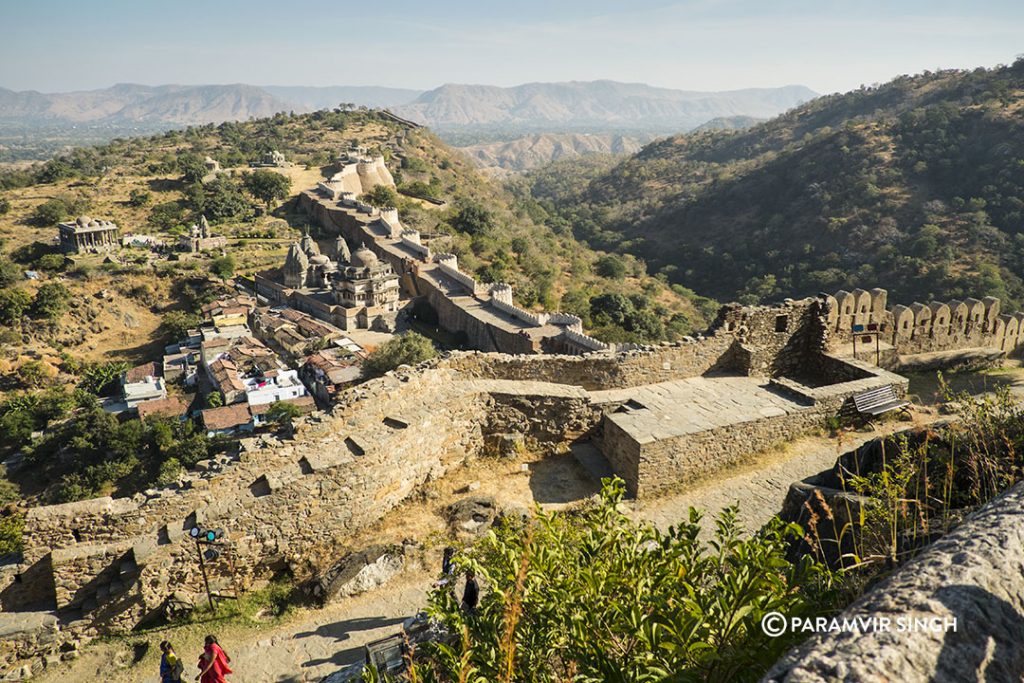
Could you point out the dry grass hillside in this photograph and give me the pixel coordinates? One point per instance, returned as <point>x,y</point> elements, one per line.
<point>150,186</point>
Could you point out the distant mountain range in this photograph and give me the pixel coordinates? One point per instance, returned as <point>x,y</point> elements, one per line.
<point>313,98</point>
<point>539,149</point>
<point>128,103</point>
<point>603,104</point>
<point>36,125</point>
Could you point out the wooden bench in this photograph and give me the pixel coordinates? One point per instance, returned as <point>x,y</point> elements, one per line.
<point>875,402</point>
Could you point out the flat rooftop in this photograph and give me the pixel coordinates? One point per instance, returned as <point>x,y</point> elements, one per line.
<point>696,404</point>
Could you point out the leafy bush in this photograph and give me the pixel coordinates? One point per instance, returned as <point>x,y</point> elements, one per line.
<point>611,267</point>
<point>94,451</point>
<point>13,304</point>
<point>472,218</point>
<point>139,198</point>
<point>51,262</point>
<point>9,272</point>
<point>51,300</point>
<point>12,526</point>
<point>223,267</point>
<point>101,378</point>
<point>593,596</point>
<point>381,195</point>
<point>407,349</point>
<point>166,215</point>
<point>175,324</point>
<point>220,200</point>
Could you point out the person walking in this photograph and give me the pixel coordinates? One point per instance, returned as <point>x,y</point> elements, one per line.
<point>471,593</point>
<point>213,663</point>
<point>171,667</point>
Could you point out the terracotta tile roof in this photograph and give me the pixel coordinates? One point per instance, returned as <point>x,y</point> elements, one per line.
<point>140,372</point>
<point>170,406</point>
<point>227,417</point>
<point>225,374</point>
<point>305,403</point>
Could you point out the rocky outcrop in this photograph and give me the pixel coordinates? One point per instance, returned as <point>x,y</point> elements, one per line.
<point>955,613</point>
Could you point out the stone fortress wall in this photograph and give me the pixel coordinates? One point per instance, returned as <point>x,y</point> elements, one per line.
<point>924,328</point>
<point>485,315</point>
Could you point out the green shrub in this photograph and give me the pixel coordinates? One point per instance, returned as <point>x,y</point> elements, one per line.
<point>407,349</point>
<point>51,300</point>
<point>593,595</point>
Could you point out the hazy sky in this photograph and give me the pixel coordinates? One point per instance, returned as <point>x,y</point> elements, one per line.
<point>55,45</point>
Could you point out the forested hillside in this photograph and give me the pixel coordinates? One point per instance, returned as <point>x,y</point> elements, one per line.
<point>916,185</point>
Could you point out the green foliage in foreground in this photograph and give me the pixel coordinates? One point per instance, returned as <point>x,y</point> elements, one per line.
<point>407,349</point>
<point>595,596</point>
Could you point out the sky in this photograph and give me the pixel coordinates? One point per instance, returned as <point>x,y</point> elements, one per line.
<point>829,46</point>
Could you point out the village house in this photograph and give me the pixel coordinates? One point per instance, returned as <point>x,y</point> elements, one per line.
<point>142,383</point>
<point>328,372</point>
<point>171,407</point>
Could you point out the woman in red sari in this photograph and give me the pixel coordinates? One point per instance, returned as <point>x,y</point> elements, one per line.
<point>213,663</point>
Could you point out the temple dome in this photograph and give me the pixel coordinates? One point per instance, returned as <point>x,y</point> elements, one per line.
<point>364,258</point>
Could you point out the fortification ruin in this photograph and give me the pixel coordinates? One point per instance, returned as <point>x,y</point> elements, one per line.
<point>107,565</point>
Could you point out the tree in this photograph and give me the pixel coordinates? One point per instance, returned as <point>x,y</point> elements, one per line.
<point>9,272</point>
<point>5,205</point>
<point>193,168</point>
<point>139,197</point>
<point>13,304</point>
<point>267,186</point>
<point>99,378</point>
<point>214,399</point>
<point>665,601</point>
<point>283,414</point>
<point>51,212</point>
<point>611,267</point>
<point>381,196</point>
<point>472,218</point>
<point>220,200</point>
<point>51,300</point>
<point>166,215</point>
<point>406,349</point>
<point>176,324</point>
<point>223,267</point>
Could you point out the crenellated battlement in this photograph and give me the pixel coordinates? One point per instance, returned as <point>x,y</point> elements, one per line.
<point>924,327</point>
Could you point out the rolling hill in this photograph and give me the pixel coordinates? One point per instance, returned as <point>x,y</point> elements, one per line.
<point>533,151</point>
<point>131,103</point>
<point>583,105</point>
<point>916,185</point>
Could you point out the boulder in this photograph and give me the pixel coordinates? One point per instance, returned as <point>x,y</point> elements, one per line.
<point>472,515</point>
<point>357,573</point>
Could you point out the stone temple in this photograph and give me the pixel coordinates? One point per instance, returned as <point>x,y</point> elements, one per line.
<point>349,290</point>
<point>86,235</point>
